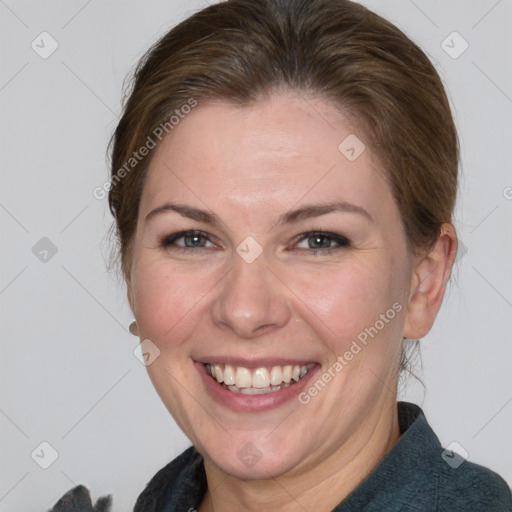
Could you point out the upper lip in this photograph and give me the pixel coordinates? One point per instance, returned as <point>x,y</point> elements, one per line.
<point>259,362</point>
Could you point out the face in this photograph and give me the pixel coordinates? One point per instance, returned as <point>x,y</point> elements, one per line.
<point>267,255</point>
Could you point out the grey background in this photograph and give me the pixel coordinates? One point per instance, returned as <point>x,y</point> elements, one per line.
<point>68,373</point>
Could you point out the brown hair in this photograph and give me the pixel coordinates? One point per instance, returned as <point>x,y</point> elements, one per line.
<point>240,50</point>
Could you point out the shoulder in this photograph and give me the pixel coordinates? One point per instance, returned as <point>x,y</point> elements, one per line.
<point>470,487</point>
<point>182,476</point>
<point>434,478</point>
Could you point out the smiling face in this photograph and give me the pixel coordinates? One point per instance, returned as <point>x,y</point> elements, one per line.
<point>326,262</point>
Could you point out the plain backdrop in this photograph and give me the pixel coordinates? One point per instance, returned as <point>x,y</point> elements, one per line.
<point>69,376</point>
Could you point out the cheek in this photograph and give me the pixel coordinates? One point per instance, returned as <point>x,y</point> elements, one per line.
<point>345,299</point>
<point>167,300</point>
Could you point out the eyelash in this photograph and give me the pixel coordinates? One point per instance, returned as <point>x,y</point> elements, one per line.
<point>169,241</point>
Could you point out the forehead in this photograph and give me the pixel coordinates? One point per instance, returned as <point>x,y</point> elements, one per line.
<point>272,154</point>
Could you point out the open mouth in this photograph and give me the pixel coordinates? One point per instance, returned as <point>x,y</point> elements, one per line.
<point>257,381</point>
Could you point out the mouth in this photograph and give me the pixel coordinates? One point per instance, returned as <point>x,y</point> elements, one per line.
<point>257,381</point>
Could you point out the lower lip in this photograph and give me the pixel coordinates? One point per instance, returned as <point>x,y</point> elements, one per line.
<point>252,403</point>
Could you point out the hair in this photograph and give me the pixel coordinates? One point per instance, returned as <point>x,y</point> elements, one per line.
<point>242,50</point>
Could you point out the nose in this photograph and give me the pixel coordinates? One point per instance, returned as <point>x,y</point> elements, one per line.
<point>252,301</point>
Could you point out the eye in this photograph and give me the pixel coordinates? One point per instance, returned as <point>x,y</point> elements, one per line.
<point>321,240</point>
<point>185,240</point>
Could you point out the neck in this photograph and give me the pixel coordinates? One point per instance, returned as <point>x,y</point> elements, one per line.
<point>319,487</point>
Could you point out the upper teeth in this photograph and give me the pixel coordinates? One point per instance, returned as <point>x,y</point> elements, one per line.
<point>259,377</point>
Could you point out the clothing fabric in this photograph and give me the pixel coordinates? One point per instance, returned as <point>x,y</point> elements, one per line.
<point>417,475</point>
<point>79,500</point>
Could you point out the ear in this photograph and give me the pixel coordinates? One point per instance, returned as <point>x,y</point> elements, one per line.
<point>429,277</point>
<point>129,294</point>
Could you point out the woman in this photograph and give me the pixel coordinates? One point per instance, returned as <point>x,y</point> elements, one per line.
<point>283,181</point>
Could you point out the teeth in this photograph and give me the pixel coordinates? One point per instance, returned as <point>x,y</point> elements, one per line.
<point>229,375</point>
<point>257,381</point>
<point>260,378</point>
<point>256,391</point>
<point>243,377</point>
<point>287,374</point>
<point>276,376</point>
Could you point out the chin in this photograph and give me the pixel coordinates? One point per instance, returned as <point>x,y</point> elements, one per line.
<point>255,458</point>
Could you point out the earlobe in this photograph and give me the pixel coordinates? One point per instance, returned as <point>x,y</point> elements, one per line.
<point>428,283</point>
<point>133,328</point>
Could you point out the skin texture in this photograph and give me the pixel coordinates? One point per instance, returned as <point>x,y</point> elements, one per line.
<point>250,165</point>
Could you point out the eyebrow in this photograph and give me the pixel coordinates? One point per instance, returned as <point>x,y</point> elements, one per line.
<point>316,210</point>
<point>293,216</point>
<point>186,211</point>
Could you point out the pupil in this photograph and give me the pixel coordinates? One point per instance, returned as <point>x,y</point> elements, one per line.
<point>319,241</point>
<point>193,241</point>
